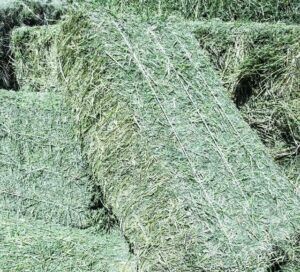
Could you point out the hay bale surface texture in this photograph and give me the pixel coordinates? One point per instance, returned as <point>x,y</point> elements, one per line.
<point>42,174</point>
<point>35,57</point>
<point>260,66</point>
<point>255,10</point>
<point>27,245</point>
<point>192,185</point>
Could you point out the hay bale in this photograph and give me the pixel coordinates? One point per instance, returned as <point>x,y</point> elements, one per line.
<point>291,168</point>
<point>260,66</point>
<point>42,172</point>
<point>256,10</point>
<point>27,245</point>
<point>32,5</point>
<point>17,13</point>
<point>35,57</point>
<point>192,185</point>
<point>292,268</point>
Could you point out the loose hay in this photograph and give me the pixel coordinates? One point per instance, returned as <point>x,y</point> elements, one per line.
<point>192,185</point>
<point>42,174</point>
<point>256,10</point>
<point>35,57</point>
<point>27,245</point>
<point>17,13</point>
<point>260,66</point>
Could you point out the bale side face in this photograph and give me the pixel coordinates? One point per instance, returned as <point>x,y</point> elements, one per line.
<point>35,57</point>
<point>27,245</point>
<point>42,174</point>
<point>260,66</point>
<point>192,186</point>
<point>22,12</point>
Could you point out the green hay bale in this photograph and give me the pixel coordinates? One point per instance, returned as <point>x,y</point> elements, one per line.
<point>291,168</point>
<point>292,268</point>
<point>17,13</point>
<point>256,10</point>
<point>35,57</point>
<point>42,174</point>
<point>27,245</point>
<point>192,185</point>
<point>32,4</point>
<point>260,66</point>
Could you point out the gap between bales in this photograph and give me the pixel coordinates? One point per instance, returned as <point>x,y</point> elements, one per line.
<point>191,184</point>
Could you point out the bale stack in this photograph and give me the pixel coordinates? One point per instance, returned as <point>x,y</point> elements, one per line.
<point>42,174</point>
<point>17,13</point>
<point>192,185</point>
<point>35,57</point>
<point>260,66</point>
<point>27,245</point>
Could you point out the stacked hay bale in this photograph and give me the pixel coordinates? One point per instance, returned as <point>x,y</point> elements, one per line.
<point>22,12</point>
<point>42,172</point>
<point>27,245</point>
<point>256,10</point>
<point>292,268</point>
<point>35,57</point>
<point>260,66</point>
<point>193,187</point>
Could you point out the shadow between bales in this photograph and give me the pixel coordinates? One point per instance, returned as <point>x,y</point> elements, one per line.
<point>279,259</point>
<point>108,219</point>
<point>243,91</point>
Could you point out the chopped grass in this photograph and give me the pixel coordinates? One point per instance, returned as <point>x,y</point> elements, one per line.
<point>27,245</point>
<point>192,185</point>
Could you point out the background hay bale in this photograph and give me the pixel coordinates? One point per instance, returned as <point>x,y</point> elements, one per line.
<point>42,174</point>
<point>260,66</point>
<point>292,268</point>
<point>17,13</point>
<point>35,57</point>
<point>27,245</point>
<point>192,185</point>
<point>256,10</point>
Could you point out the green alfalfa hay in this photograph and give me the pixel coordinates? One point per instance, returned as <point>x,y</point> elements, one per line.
<point>35,57</point>
<point>291,168</point>
<point>42,172</point>
<point>249,10</point>
<point>17,13</point>
<point>292,268</point>
<point>260,66</point>
<point>191,184</point>
<point>32,245</point>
